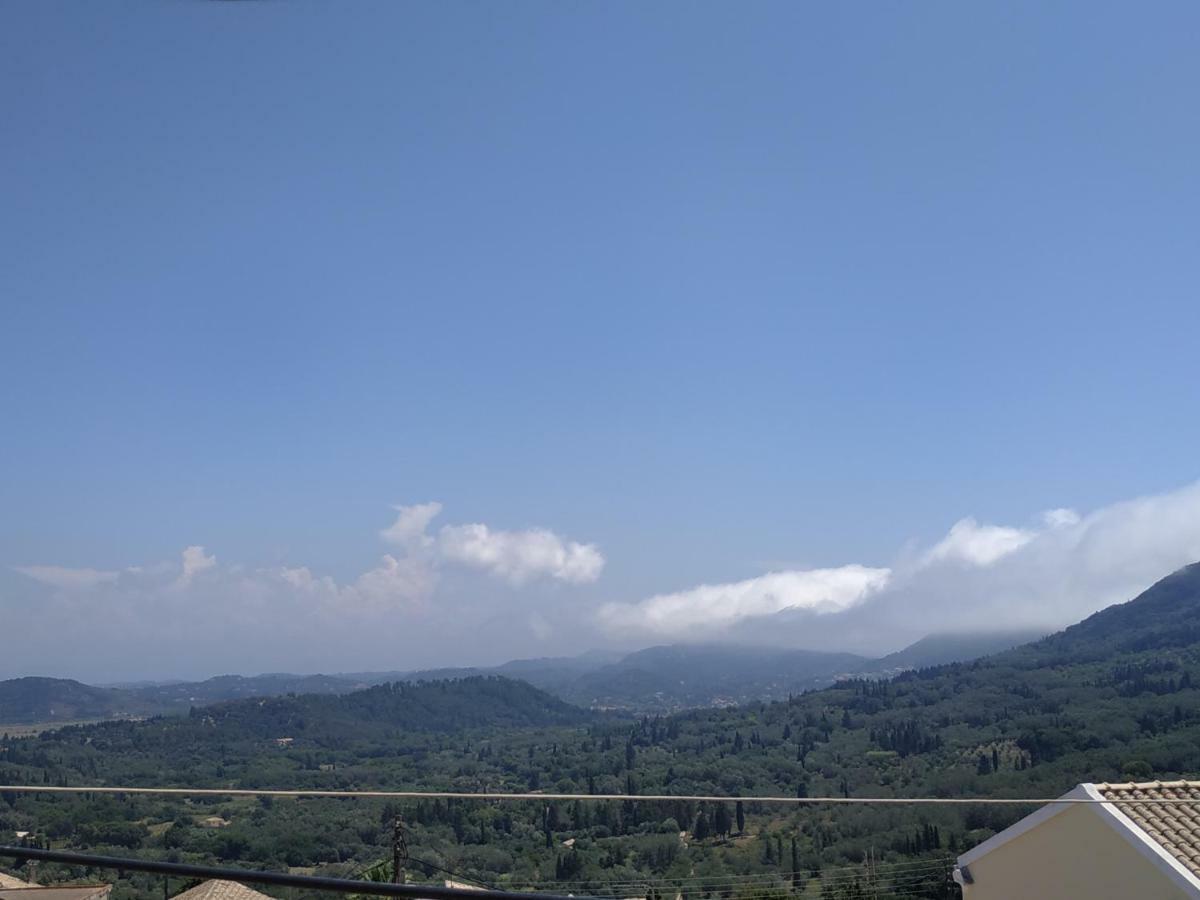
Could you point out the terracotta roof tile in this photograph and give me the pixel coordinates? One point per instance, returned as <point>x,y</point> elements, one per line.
<point>1175,827</point>
<point>221,890</point>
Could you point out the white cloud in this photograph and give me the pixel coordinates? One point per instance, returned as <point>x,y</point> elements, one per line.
<point>197,615</point>
<point>401,581</point>
<point>411,523</point>
<point>195,561</point>
<point>708,609</point>
<point>515,556</point>
<point>519,556</point>
<point>711,607</point>
<point>1060,518</point>
<point>978,545</point>
<point>394,581</point>
<point>302,579</point>
<point>67,579</point>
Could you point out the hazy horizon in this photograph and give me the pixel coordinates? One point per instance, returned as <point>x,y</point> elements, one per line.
<point>609,654</point>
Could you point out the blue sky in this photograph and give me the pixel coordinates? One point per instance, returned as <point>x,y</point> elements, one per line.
<point>717,290</point>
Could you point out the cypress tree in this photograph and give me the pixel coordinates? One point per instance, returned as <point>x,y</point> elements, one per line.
<point>722,823</point>
<point>797,878</point>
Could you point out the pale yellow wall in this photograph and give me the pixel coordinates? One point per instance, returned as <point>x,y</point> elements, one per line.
<point>1074,854</point>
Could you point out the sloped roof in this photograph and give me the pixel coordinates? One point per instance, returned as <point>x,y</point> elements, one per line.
<point>1174,827</point>
<point>221,890</point>
<point>9,881</point>
<point>1166,834</point>
<point>56,892</point>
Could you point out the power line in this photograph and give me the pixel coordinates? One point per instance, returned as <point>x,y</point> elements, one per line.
<point>341,885</point>
<point>888,870</point>
<point>727,877</point>
<point>427,864</point>
<point>892,883</point>
<point>499,796</point>
<point>885,876</point>
<point>898,874</point>
<point>452,873</point>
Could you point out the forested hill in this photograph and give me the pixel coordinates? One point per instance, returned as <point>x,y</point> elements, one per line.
<point>47,701</point>
<point>681,676</point>
<point>25,700</point>
<point>180,696</point>
<point>468,703</point>
<point>1164,617</point>
<point>939,649</point>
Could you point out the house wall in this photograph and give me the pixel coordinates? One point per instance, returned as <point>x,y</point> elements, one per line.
<point>1072,854</point>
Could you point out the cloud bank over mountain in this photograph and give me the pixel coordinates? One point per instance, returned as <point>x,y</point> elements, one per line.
<point>703,611</point>
<point>470,592</point>
<point>1057,569</point>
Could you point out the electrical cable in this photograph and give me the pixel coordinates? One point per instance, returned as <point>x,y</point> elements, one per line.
<point>897,870</point>
<point>452,873</point>
<point>427,864</point>
<point>915,863</point>
<point>763,877</point>
<point>494,795</point>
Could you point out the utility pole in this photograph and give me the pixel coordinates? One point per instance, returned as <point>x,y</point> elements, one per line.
<point>399,851</point>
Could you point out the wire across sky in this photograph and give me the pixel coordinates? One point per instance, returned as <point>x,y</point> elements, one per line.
<point>505,796</point>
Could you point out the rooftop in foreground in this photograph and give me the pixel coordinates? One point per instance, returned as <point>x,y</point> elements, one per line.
<point>218,889</point>
<point>56,892</point>
<point>1110,842</point>
<point>1175,828</point>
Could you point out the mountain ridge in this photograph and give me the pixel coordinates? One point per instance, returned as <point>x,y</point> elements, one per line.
<point>661,678</point>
